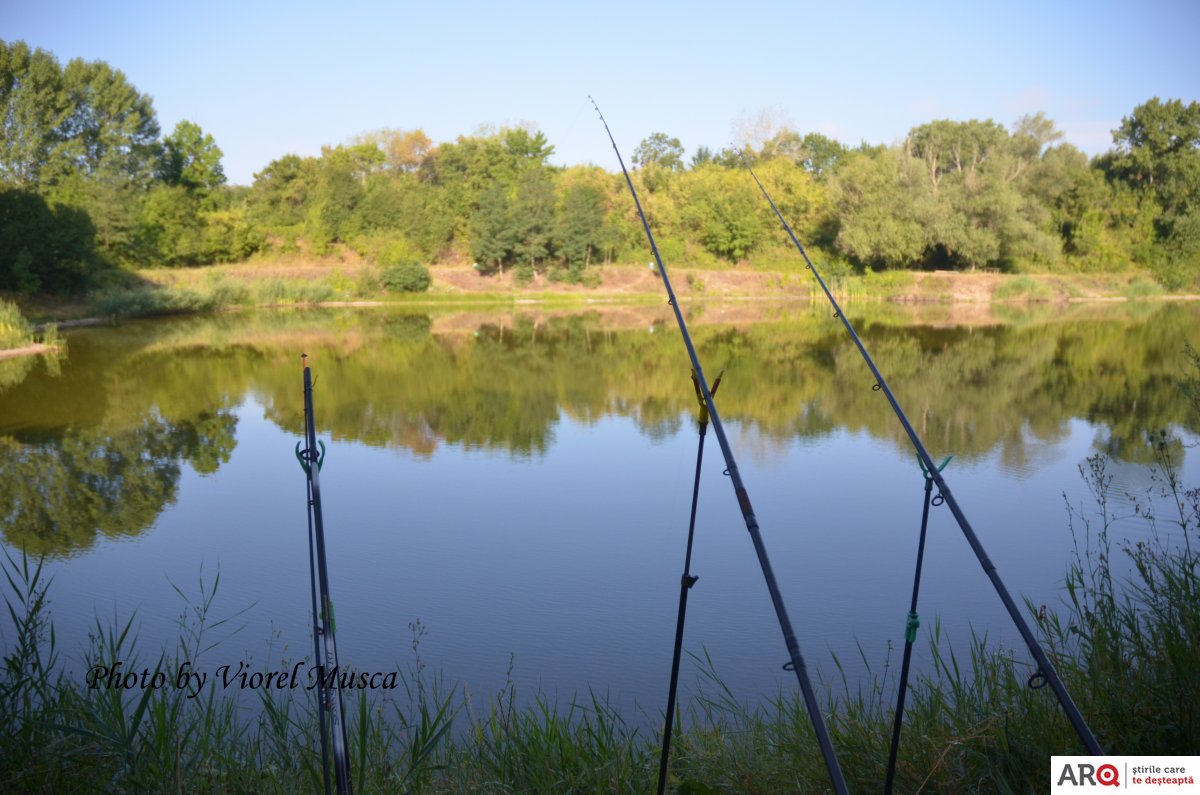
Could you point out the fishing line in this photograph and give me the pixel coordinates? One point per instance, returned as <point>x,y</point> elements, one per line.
<point>324,642</point>
<point>685,585</point>
<point>1045,670</point>
<point>795,661</point>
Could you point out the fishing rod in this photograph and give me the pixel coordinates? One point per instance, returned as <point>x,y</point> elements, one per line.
<point>330,707</point>
<point>910,627</point>
<point>795,661</point>
<point>685,585</point>
<point>1045,674</point>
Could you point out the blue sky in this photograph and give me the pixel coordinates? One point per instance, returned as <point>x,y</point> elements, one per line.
<point>269,78</point>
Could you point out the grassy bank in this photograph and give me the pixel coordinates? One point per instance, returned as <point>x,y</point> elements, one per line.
<point>1127,651</point>
<point>18,337</point>
<point>296,280</point>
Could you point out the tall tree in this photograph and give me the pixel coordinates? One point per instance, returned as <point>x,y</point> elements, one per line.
<point>821,154</point>
<point>492,238</point>
<point>580,231</point>
<point>722,212</point>
<point>533,217</point>
<point>403,150</point>
<point>659,150</point>
<point>34,107</point>
<point>281,190</point>
<point>191,158</point>
<point>112,132</point>
<point>954,147</point>
<point>1158,157</point>
<point>1158,150</point>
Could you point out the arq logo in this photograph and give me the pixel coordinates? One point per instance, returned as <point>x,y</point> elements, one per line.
<point>1082,773</point>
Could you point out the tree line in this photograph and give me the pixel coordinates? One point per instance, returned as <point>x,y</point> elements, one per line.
<point>89,185</point>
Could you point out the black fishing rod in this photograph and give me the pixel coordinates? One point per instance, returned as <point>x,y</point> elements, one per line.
<point>795,661</point>
<point>910,627</point>
<point>685,585</point>
<point>1045,674</point>
<point>329,696</point>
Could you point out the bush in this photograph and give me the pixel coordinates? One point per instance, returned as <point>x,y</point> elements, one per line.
<point>14,329</point>
<point>408,277</point>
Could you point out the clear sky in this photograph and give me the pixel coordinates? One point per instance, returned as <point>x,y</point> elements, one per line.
<point>271,78</point>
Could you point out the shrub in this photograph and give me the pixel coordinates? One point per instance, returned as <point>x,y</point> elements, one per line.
<point>407,277</point>
<point>1141,287</point>
<point>14,329</point>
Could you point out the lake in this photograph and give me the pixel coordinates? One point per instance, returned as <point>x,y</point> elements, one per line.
<point>518,482</point>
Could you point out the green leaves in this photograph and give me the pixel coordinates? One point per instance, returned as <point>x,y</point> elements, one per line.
<point>191,158</point>
<point>659,151</point>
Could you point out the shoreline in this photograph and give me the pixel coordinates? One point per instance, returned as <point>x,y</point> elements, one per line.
<point>971,296</point>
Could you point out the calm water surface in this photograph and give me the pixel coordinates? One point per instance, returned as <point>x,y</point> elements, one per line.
<point>519,484</point>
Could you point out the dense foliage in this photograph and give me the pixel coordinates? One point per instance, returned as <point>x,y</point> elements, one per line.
<point>88,183</point>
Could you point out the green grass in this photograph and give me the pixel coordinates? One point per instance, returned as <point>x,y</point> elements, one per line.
<point>217,292</point>
<point>1023,288</point>
<point>1141,288</point>
<point>15,331</point>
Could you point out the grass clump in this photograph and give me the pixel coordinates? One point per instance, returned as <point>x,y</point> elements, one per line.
<point>215,293</point>
<point>15,331</point>
<point>278,292</point>
<point>1023,288</point>
<point>1141,287</point>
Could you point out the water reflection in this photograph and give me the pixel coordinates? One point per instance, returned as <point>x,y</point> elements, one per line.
<point>98,447</point>
<point>65,489</point>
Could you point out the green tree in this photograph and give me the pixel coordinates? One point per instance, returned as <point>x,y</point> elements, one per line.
<point>191,158</point>
<point>492,231</point>
<point>948,147</point>
<point>661,151</point>
<point>1157,157</point>
<point>1158,150</point>
<point>882,214</point>
<point>533,218</point>
<point>722,211</point>
<point>815,153</point>
<point>1031,135</point>
<point>528,146</point>
<point>403,151</point>
<point>43,247</point>
<point>340,186</point>
<point>172,227</point>
<point>464,170</point>
<point>580,232</point>
<point>112,131</point>
<point>821,154</point>
<point>280,191</point>
<point>35,108</point>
